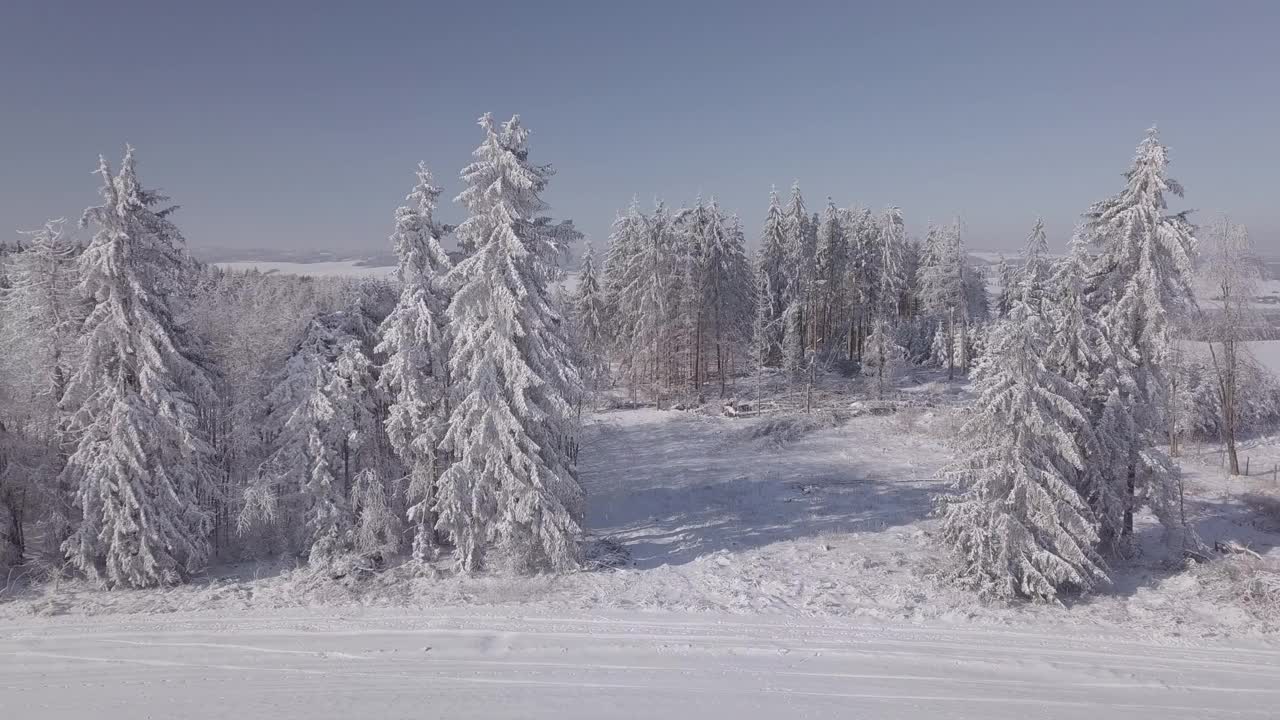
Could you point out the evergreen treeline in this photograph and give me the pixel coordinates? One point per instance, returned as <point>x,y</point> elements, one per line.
<point>159,414</point>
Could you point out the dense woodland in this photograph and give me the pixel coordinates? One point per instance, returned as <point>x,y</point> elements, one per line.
<point>160,415</point>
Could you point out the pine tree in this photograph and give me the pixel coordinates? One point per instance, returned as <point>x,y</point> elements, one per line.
<point>1143,278</point>
<point>415,341</point>
<point>513,484</point>
<point>1018,525</point>
<point>140,461</point>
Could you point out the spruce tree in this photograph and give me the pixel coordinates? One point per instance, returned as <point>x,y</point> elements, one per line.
<point>140,461</point>
<point>590,315</point>
<point>832,261</point>
<point>1142,280</point>
<point>772,260</point>
<point>799,283</point>
<point>1018,525</point>
<point>513,485</point>
<point>414,339</point>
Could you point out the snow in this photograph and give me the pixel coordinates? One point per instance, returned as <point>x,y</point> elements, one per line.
<point>1267,352</point>
<point>775,566</point>
<point>803,516</point>
<point>463,664</point>
<point>333,268</point>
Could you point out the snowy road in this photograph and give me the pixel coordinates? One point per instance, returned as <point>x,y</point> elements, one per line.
<point>633,666</point>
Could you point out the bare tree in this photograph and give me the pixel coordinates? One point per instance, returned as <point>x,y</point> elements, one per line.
<point>1232,272</point>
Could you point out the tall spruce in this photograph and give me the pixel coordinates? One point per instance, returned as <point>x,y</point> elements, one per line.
<point>513,485</point>
<point>415,341</point>
<point>772,261</point>
<point>141,463</point>
<point>1142,280</point>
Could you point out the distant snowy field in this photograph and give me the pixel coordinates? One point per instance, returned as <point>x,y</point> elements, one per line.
<point>339,268</point>
<point>336,268</point>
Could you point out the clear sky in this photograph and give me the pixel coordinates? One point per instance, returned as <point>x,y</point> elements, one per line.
<point>298,124</point>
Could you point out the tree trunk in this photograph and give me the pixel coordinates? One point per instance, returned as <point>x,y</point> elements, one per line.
<point>1130,499</point>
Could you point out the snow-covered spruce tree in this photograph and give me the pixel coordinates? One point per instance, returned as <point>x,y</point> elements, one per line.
<point>801,259</point>
<point>351,392</point>
<point>1035,258</point>
<point>764,339</point>
<point>864,276</point>
<point>376,534</point>
<point>590,314</point>
<point>513,485</point>
<point>697,229</point>
<point>1005,276</point>
<point>319,429</point>
<point>831,263</point>
<point>727,297</point>
<point>893,280</point>
<point>415,341</point>
<point>941,288</point>
<point>1142,278</point>
<point>773,262</point>
<point>1076,344</point>
<point>140,464</point>
<point>881,356</point>
<point>977,302</point>
<point>952,293</point>
<point>620,258</point>
<point>1018,525</point>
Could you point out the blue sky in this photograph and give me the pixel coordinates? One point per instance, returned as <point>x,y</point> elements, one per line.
<point>298,125</point>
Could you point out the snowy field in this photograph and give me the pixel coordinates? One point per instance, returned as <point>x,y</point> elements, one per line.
<point>340,268</point>
<point>451,664</point>
<point>335,268</point>
<point>760,567</point>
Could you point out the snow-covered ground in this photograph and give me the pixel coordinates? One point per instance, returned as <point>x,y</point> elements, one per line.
<point>776,566</point>
<point>459,664</point>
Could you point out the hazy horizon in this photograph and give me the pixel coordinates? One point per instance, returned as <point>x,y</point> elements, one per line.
<point>290,128</point>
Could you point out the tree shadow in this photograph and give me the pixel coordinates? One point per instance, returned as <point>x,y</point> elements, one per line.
<point>686,486</point>
<point>1218,522</point>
